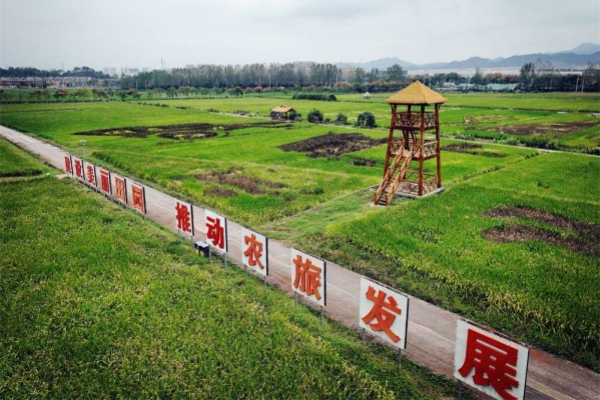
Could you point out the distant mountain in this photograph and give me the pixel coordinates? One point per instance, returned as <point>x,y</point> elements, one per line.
<point>558,60</point>
<point>585,48</point>
<point>577,57</point>
<point>381,64</point>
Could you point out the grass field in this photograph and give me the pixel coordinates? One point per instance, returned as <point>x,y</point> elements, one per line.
<point>15,163</point>
<point>262,183</point>
<point>510,243</point>
<point>97,303</point>
<point>477,115</point>
<point>534,273</point>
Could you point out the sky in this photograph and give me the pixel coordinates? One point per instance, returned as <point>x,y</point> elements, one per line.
<point>139,33</point>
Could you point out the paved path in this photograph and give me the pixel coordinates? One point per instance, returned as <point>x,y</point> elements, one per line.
<point>431,330</point>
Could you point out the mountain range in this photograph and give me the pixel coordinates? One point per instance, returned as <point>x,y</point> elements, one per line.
<point>577,57</point>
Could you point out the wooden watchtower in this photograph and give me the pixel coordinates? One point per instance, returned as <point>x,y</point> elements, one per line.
<point>411,146</point>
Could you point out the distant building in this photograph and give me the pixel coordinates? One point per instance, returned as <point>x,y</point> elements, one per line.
<point>281,113</point>
<point>500,87</point>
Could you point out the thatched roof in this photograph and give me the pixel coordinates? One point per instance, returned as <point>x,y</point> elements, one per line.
<point>282,109</point>
<point>416,93</point>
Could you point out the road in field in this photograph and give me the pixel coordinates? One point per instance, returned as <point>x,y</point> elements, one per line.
<point>431,330</point>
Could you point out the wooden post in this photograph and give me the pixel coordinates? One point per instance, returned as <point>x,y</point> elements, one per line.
<point>390,141</point>
<point>437,138</point>
<point>420,154</point>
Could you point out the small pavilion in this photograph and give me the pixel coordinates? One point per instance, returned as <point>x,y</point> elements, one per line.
<point>367,95</point>
<point>407,153</point>
<point>281,113</point>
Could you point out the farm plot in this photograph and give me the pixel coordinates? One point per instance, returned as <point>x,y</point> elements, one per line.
<point>478,117</point>
<point>255,181</point>
<point>517,248</point>
<point>96,302</point>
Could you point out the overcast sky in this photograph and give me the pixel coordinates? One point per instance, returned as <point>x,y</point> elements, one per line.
<point>119,33</point>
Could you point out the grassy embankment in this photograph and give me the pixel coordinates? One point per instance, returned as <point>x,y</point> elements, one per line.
<point>517,249</point>
<point>96,302</point>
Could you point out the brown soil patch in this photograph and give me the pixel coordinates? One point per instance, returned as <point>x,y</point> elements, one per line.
<point>233,177</point>
<point>333,144</point>
<point>219,192</point>
<point>521,233</point>
<point>180,132</point>
<point>558,129</point>
<point>589,231</point>
<point>586,242</point>
<point>471,148</point>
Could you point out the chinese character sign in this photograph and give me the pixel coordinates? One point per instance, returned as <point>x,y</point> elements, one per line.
<point>105,185</point>
<point>68,164</point>
<point>490,363</point>
<point>138,198</point>
<point>90,174</point>
<point>216,230</point>
<point>78,168</point>
<point>383,312</point>
<point>308,277</point>
<point>255,251</point>
<point>121,189</point>
<point>184,215</point>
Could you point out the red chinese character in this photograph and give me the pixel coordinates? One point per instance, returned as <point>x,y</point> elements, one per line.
<point>104,181</point>
<point>494,362</point>
<point>254,251</point>
<point>308,277</point>
<point>91,177</point>
<point>78,169</point>
<point>384,312</point>
<point>120,190</point>
<point>183,217</point>
<point>138,198</point>
<point>216,232</point>
<point>68,167</point>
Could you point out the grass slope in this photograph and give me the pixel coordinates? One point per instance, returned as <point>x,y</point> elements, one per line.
<point>543,293</point>
<point>95,302</point>
<point>15,162</point>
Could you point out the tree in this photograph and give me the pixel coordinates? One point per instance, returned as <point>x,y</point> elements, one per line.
<point>315,116</point>
<point>395,73</point>
<point>373,75</point>
<point>366,120</point>
<point>527,76</point>
<point>477,79</point>
<point>172,92</point>
<point>341,119</point>
<point>360,76</point>
<point>591,77</point>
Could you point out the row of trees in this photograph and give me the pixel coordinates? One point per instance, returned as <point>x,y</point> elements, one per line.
<point>288,75</point>
<point>29,72</point>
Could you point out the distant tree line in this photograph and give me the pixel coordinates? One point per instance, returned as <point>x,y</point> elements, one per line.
<point>288,76</point>
<point>29,72</point>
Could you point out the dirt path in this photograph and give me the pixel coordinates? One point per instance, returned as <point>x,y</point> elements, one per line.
<point>431,331</point>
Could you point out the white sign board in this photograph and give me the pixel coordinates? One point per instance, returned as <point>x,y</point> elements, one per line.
<point>78,169</point>
<point>255,251</point>
<point>490,363</point>
<point>216,230</point>
<point>309,277</point>
<point>184,216</point>
<point>383,312</point>
<point>90,174</point>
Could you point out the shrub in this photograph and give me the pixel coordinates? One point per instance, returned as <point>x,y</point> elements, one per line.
<point>341,119</point>
<point>315,116</point>
<point>366,120</point>
<point>295,116</point>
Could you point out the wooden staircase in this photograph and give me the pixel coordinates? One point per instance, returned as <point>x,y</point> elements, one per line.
<point>395,174</point>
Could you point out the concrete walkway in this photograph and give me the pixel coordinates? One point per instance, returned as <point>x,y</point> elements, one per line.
<point>431,330</point>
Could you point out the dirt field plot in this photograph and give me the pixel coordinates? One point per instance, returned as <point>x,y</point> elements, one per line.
<point>333,144</point>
